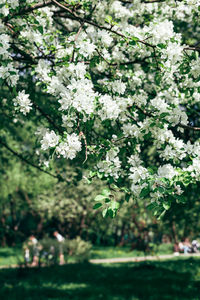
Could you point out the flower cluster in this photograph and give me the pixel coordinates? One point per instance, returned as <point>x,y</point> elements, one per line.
<point>69,147</point>
<point>22,102</point>
<point>115,81</point>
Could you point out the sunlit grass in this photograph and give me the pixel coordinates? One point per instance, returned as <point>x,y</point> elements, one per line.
<point>113,252</point>
<point>12,256</point>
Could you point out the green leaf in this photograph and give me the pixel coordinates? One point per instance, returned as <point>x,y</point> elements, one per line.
<point>40,29</point>
<point>108,19</point>
<point>166,205</point>
<point>134,38</point>
<point>164,114</point>
<point>111,213</point>
<point>99,175</point>
<point>161,215</point>
<point>107,200</point>
<point>87,75</point>
<point>161,189</point>
<point>114,186</point>
<point>144,192</point>
<point>89,181</point>
<point>127,197</point>
<point>180,198</point>
<point>104,212</point>
<point>114,205</point>
<point>92,173</point>
<point>132,43</point>
<point>106,192</point>
<point>99,198</point>
<point>124,189</point>
<point>97,205</point>
<point>152,206</point>
<point>162,46</point>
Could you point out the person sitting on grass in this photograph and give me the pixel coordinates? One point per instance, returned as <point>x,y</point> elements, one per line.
<point>60,240</point>
<point>195,246</point>
<point>185,246</point>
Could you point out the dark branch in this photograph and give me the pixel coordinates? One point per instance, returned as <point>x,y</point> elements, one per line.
<point>27,161</point>
<point>83,20</point>
<point>192,48</point>
<point>189,127</point>
<point>27,10</point>
<point>148,114</point>
<point>151,1</point>
<point>49,119</point>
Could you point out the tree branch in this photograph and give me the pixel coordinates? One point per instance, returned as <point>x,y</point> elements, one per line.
<point>148,114</point>
<point>192,48</point>
<point>83,20</point>
<point>49,119</point>
<point>28,162</point>
<point>188,127</point>
<point>26,10</point>
<point>151,1</point>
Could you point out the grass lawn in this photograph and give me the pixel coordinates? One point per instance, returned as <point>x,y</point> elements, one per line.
<point>10,256</point>
<point>171,279</point>
<point>112,252</point>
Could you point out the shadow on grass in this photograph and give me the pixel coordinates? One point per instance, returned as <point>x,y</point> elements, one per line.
<point>153,280</point>
<point>6,252</point>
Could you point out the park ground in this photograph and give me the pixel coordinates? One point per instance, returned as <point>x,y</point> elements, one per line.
<point>177,278</point>
<point>10,256</point>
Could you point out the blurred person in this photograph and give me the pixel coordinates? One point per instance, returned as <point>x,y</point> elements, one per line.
<point>60,240</point>
<point>185,246</point>
<point>26,255</point>
<point>195,246</point>
<point>176,249</point>
<point>33,242</point>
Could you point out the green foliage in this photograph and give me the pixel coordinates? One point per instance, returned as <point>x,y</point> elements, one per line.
<point>107,200</point>
<point>78,249</point>
<point>49,250</point>
<point>165,248</point>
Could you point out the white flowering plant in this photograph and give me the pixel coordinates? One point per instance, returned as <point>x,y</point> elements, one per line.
<point>119,80</point>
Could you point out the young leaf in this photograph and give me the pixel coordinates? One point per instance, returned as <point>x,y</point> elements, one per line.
<point>144,192</point>
<point>106,192</point>
<point>97,205</point>
<point>99,198</point>
<point>104,212</point>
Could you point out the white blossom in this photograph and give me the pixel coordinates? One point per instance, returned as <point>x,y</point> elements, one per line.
<point>49,140</point>
<point>167,171</point>
<point>69,147</point>
<point>23,102</point>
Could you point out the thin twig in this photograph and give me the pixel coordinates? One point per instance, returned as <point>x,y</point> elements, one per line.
<point>82,135</point>
<point>192,48</point>
<point>27,161</point>
<point>26,10</point>
<point>49,119</point>
<point>80,19</point>
<point>75,39</point>
<point>188,127</point>
<point>151,116</point>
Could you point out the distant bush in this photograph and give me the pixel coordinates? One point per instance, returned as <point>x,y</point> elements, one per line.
<point>79,249</point>
<point>165,248</point>
<point>49,250</point>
